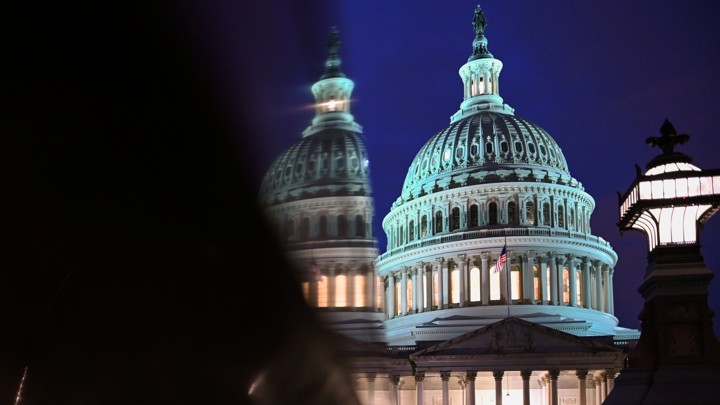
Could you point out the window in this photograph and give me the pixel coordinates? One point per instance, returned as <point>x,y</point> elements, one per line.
<point>455,286</point>
<point>359,226</point>
<point>411,231</point>
<point>529,213</point>
<point>322,226</point>
<point>305,228</point>
<point>341,298</point>
<point>474,215</point>
<point>512,213</point>
<point>492,213</point>
<point>423,226</point>
<point>342,226</point>
<point>409,295</point>
<point>438,222</point>
<point>359,298</point>
<point>546,214</point>
<point>561,216</point>
<point>455,219</point>
<point>475,287</point>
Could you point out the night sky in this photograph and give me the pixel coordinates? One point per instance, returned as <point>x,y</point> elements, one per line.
<point>137,133</point>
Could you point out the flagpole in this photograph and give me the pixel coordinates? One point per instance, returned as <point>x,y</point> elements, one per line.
<point>507,283</point>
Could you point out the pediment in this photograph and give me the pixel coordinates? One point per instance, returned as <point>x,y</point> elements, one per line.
<point>515,336</point>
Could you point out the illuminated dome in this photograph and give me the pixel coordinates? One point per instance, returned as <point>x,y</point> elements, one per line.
<point>485,147</point>
<point>332,162</point>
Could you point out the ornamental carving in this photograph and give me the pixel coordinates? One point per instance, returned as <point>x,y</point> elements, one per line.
<point>683,341</point>
<point>511,340</point>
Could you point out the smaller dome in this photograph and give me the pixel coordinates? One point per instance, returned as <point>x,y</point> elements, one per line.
<point>332,162</point>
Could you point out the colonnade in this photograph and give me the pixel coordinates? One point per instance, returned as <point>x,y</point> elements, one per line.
<point>335,285</point>
<point>533,278</point>
<point>592,387</point>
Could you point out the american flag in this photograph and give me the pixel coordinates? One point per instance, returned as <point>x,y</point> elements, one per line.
<point>315,270</point>
<point>500,265</point>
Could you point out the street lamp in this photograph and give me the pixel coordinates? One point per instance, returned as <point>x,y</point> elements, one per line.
<point>677,356</point>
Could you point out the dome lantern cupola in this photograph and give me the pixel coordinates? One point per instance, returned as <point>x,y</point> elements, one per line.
<point>480,76</point>
<point>332,93</point>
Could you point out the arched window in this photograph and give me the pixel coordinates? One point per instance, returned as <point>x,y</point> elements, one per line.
<point>495,284</point>
<point>322,226</point>
<point>529,212</point>
<point>474,216</point>
<point>398,299</point>
<point>423,226</point>
<point>438,222</point>
<point>411,231</point>
<point>341,298</point>
<point>305,228</point>
<point>435,296</point>
<point>475,287</point>
<point>561,216</point>
<point>455,285</point>
<point>571,220</point>
<point>322,288</point>
<point>512,213</point>
<point>360,299</point>
<point>546,214</point>
<point>455,219</point>
<point>359,226</point>
<point>580,297</point>
<point>342,226</point>
<point>536,284</point>
<point>515,283</point>
<point>566,285</point>
<point>492,213</point>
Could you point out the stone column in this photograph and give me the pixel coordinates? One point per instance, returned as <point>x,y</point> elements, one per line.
<point>553,279</point>
<point>529,279</point>
<point>331,287</point>
<point>462,261</point>
<point>350,290</point>
<point>442,284</point>
<point>610,373</point>
<point>599,287</point>
<point>542,265</point>
<point>572,275</point>
<point>430,287</point>
<point>445,377</point>
<point>561,259</point>
<point>471,386</point>
<point>554,374</point>
<point>371,387</point>
<point>606,279</point>
<point>391,297</point>
<point>419,377</point>
<point>371,288</point>
<point>403,292</point>
<point>414,280</point>
<point>587,302</point>
<point>610,294</point>
<point>498,375</point>
<point>604,380</point>
<point>485,279</point>
<point>582,388</point>
<point>525,375</point>
<point>394,391</point>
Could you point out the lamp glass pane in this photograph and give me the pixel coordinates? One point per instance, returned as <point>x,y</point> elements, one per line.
<point>693,186</point>
<point>645,193</point>
<point>657,189</point>
<point>681,187</point>
<point>669,186</point>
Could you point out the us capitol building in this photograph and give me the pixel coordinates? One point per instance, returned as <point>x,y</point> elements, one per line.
<point>433,320</point>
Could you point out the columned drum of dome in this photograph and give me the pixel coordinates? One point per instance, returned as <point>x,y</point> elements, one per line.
<point>488,179</point>
<point>317,197</point>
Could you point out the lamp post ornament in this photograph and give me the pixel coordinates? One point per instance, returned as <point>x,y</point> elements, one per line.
<point>669,203</point>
